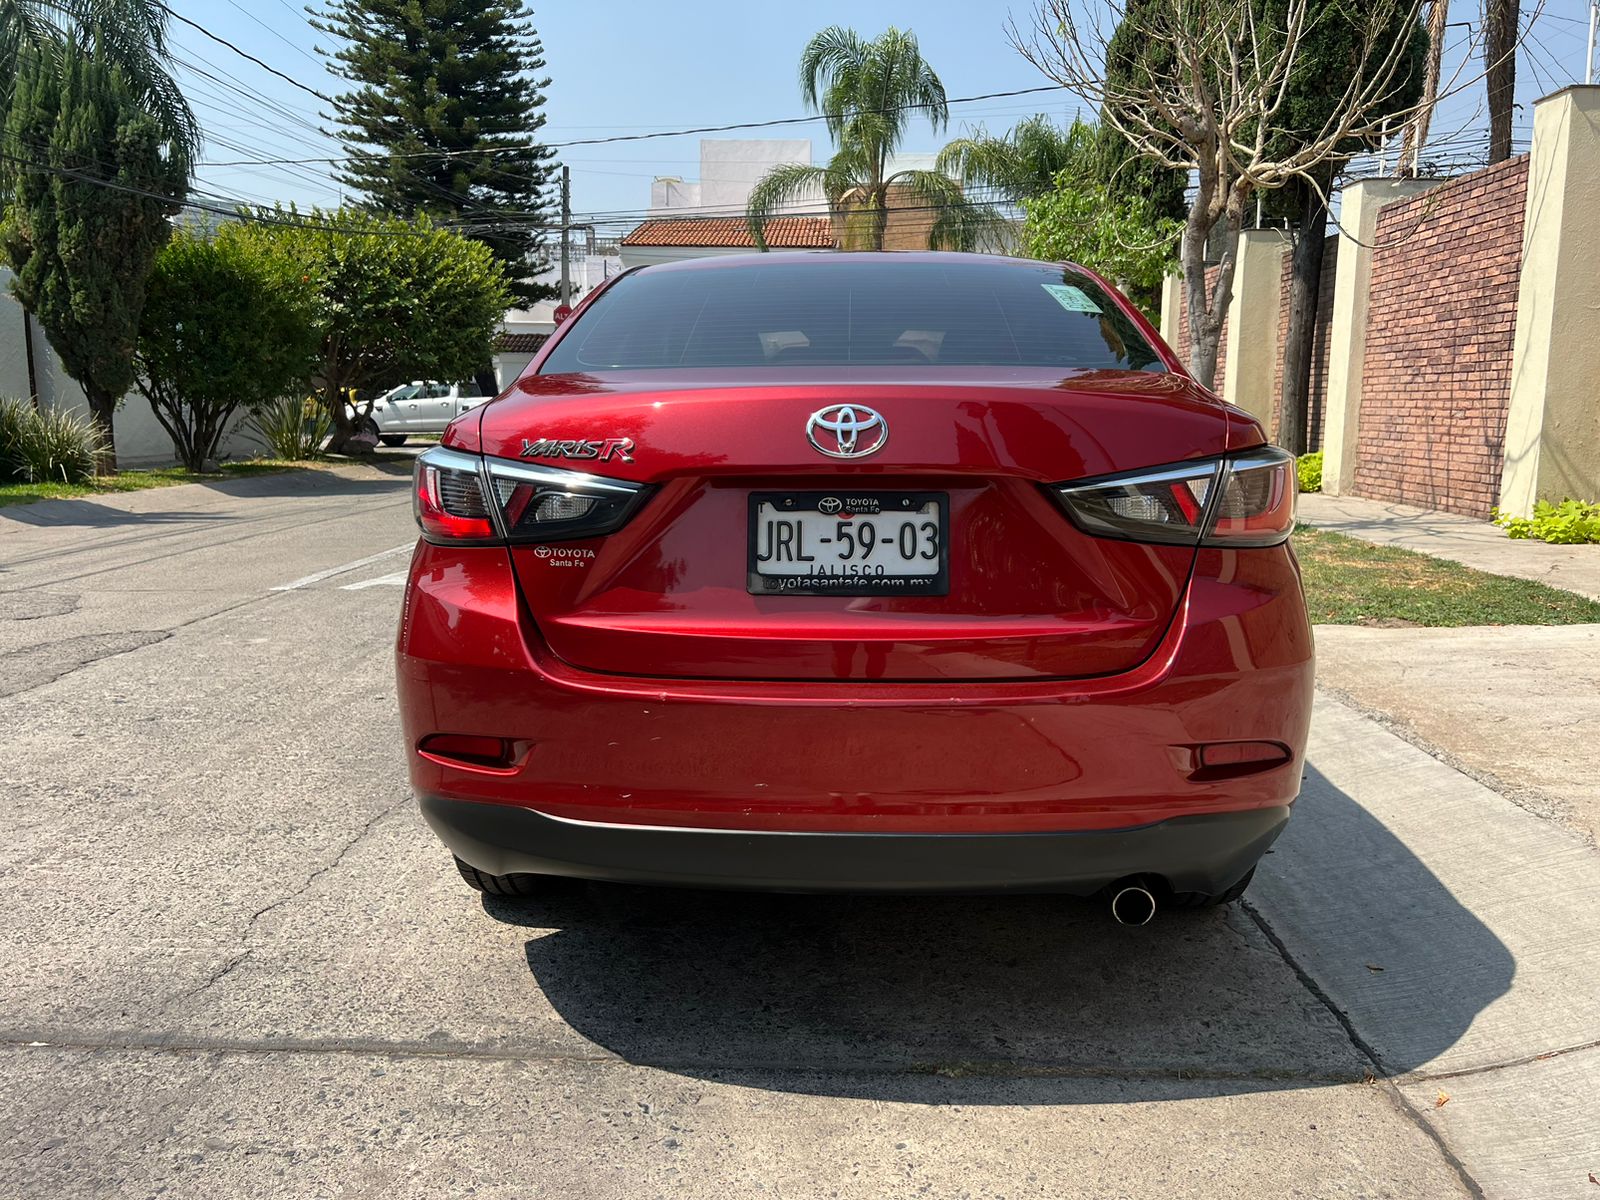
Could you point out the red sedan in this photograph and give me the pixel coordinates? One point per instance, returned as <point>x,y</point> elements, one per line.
<point>914,572</point>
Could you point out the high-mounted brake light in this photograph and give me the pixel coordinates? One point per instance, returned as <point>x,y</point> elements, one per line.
<point>466,498</point>
<point>1245,499</point>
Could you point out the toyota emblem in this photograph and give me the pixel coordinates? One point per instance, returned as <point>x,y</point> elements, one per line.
<point>847,431</point>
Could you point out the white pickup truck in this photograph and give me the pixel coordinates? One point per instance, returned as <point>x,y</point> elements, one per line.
<point>422,406</point>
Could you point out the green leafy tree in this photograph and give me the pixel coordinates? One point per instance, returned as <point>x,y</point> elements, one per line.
<point>443,120</point>
<point>390,300</point>
<point>1122,237</point>
<point>1070,214</point>
<point>132,36</point>
<point>226,326</point>
<point>88,211</point>
<point>867,92</point>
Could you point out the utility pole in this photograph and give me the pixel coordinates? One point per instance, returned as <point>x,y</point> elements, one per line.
<point>566,227</point>
<point>1588,61</point>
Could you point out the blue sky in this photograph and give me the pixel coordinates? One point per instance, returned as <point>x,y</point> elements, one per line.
<point>625,68</point>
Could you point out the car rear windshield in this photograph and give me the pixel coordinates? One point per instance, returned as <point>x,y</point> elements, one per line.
<point>853,313</point>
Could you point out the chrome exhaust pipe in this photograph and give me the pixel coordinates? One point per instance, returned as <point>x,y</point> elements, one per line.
<point>1133,905</point>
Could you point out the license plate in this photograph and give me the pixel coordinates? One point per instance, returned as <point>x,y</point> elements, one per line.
<point>844,544</point>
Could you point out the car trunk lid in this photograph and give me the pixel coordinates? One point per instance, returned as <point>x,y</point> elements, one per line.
<point>1028,594</point>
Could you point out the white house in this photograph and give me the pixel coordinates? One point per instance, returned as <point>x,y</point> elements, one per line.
<point>729,169</point>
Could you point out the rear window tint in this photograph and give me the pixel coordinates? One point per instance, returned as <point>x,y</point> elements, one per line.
<point>853,313</point>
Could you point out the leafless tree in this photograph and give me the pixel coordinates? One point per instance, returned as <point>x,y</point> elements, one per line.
<point>1210,99</point>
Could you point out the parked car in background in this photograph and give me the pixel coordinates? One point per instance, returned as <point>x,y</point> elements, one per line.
<point>862,572</point>
<point>422,406</point>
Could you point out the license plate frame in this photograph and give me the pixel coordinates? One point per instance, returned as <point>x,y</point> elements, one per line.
<point>858,504</point>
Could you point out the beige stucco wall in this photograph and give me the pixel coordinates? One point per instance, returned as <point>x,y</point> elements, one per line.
<point>1252,329</point>
<point>1171,308</point>
<point>1552,447</point>
<point>1347,337</point>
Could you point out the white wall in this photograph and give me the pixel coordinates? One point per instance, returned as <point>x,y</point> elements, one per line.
<point>729,168</point>
<point>640,256</point>
<point>508,368</point>
<point>669,193</point>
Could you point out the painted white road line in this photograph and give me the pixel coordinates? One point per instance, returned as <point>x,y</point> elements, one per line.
<point>308,580</point>
<point>398,579</point>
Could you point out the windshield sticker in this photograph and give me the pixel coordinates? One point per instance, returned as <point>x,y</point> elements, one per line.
<point>1070,298</point>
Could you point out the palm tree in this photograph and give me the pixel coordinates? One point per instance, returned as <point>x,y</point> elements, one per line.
<point>866,91</point>
<point>1416,138</point>
<point>1024,162</point>
<point>132,34</point>
<point>1500,19</point>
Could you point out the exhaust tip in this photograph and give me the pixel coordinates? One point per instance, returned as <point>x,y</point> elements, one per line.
<point>1133,905</point>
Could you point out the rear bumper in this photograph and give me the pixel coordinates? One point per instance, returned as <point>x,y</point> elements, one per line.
<point>1063,784</point>
<point>1206,853</point>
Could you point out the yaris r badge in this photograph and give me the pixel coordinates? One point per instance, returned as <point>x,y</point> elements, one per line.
<point>1049,637</point>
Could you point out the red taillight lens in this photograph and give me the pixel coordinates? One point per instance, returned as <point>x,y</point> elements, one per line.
<point>1256,507</point>
<point>448,498</point>
<point>1243,500</point>
<point>462,497</point>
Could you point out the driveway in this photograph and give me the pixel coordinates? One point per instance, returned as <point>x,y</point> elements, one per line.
<point>239,965</point>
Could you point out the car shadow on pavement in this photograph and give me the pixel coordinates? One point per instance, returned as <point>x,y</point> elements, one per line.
<point>876,996</point>
<point>87,514</point>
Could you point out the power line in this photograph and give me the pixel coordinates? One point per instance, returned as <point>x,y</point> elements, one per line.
<point>222,41</point>
<point>641,137</point>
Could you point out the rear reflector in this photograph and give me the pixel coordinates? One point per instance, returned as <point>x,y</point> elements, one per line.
<point>1243,500</point>
<point>1213,762</point>
<point>469,750</point>
<point>463,497</point>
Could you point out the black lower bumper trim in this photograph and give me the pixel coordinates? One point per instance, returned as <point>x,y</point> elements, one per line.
<point>1206,853</point>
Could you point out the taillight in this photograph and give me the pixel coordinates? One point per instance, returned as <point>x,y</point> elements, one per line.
<point>462,497</point>
<point>1245,499</point>
<point>448,497</point>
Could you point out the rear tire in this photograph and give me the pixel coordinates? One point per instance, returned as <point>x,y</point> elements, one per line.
<point>1202,900</point>
<point>393,439</point>
<point>501,885</point>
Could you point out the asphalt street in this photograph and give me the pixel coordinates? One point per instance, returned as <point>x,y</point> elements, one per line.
<point>238,965</point>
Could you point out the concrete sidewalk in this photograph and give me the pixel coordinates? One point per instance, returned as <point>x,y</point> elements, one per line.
<point>1465,540</point>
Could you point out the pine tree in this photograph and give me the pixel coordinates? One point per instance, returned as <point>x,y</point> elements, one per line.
<point>90,199</point>
<point>443,117</point>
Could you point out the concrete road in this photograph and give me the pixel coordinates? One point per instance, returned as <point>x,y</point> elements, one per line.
<point>237,964</point>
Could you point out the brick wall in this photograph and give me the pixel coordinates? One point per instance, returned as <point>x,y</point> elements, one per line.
<point>1181,345</point>
<point>1317,399</point>
<point>1437,373</point>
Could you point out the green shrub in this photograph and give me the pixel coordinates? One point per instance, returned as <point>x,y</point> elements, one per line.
<point>1309,468</point>
<point>1567,523</point>
<point>293,428</point>
<point>44,445</point>
<point>13,412</point>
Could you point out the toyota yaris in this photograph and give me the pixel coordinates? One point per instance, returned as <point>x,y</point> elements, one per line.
<point>869,572</point>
